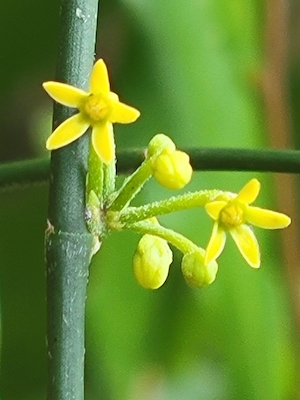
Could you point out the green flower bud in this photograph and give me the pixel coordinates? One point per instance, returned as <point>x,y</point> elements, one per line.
<point>195,272</point>
<point>151,261</point>
<point>159,143</point>
<point>172,169</point>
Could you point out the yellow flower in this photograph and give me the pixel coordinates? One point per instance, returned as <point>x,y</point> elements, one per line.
<point>232,215</point>
<point>99,108</point>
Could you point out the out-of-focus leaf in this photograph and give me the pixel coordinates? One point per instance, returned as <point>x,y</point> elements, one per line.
<point>22,292</point>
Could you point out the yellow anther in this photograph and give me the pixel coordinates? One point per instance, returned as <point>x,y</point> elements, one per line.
<point>231,216</point>
<point>97,108</point>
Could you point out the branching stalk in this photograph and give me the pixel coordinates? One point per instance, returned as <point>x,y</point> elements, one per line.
<point>174,203</point>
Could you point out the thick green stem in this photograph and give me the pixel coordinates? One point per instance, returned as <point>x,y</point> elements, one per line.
<point>68,243</point>
<point>284,161</point>
<point>68,257</point>
<point>26,172</point>
<point>221,159</point>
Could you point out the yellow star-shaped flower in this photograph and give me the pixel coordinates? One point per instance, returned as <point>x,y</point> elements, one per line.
<point>98,108</point>
<point>232,215</point>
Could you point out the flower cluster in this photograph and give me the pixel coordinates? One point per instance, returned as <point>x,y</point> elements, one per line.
<point>109,209</point>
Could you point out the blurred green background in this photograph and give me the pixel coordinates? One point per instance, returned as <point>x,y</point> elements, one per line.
<point>207,73</point>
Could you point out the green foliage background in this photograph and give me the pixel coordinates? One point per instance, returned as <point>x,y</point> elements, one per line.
<point>191,68</point>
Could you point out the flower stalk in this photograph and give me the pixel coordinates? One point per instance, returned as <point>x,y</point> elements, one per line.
<point>176,239</point>
<point>172,204</point>
<point>134,183</point>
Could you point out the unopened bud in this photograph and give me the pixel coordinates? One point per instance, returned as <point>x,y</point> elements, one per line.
<point>159,143</point>
<point>195,272</point>
<point>151,261</point>
<point>172,169</point>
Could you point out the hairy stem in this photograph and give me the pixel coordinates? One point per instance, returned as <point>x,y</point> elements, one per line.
<point>176,239</point>
<point>176,203</point>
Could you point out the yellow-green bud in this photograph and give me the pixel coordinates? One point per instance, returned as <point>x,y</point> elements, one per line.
<point>172,169</point>
<point>159,143</point>
<point>195,272</point>
<point>151,261</point>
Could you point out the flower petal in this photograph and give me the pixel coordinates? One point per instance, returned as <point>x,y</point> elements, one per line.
<point>123,114</point>
<point>213,208</point>
<point>64,94</point>
<point>216,244</point>
<point>249,192</point>
<point>99,82</point>
<point>247,244</point>
<point>103,142</point>
<point>266,219</point>
<point>67,132</point>
<point>113,96</point>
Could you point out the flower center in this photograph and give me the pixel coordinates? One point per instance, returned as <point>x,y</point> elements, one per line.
<point>97,107</point>
<point>232,215</point>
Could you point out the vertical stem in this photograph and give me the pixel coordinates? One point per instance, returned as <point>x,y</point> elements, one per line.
<point>68,243</point>
<point>68,257</point>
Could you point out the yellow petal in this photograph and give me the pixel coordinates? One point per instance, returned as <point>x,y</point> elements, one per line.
<point>99,82</point>
<point>249,192</point>
<point>113,96</point>
<point>213,209</point>
<point>247,244</point>
<point>216,244</point>
<point>266,219</point>
<point>123,114</point>
<point>70,130</point>
<point>64,94</point>
<point>103,142</point>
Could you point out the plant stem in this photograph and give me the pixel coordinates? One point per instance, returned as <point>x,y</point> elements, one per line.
<point>205,159</point>
<point>68,243</point>
<point>95,176</point>
<point>26,172</point>
<point>132,185</point>
<point>176,239</point>
<point>175,203</point>
<point>68,258</point>
<point>224,159</point>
